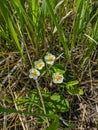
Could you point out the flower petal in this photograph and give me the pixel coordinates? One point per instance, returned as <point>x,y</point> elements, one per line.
<point>34,73</point>
<point>39,64</point>
<point>50,59</point>
<point>57,78</point>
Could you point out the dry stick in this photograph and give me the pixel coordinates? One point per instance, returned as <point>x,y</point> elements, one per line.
<point>5,118</point>
<point>5,60</point>
<point>22,119</point>
<point>9,74</point>
<point>91,39</point>
<point>42,101</point>
<point>89,81</point>
<point>62,19</point>
<point>13,97</point>
<point>90,74</point>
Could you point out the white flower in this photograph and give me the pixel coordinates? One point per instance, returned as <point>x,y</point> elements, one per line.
<point>39,64</point>
<point>34,73</point>
<point>50,59</point>
<point>57,78</point>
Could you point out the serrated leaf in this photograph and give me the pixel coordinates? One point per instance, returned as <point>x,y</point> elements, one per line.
<point>63,105</point>
<point>55,97</point>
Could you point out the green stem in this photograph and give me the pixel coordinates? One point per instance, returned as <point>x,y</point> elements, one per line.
<point>41,99</point>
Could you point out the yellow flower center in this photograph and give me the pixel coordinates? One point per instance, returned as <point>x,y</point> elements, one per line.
<point>39,65</point>
<point>34,73</point>
<point>50,59</point>
<point>57,77</point>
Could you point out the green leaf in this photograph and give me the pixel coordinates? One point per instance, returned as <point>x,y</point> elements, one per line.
<point>59,103</point>
<point>79,23</point>
<point>73,90</point>
<point>59,68</point>
<point>54,125</point>
<point>35,7</point>
<point>50,72</point>
<point>44,8</point>
<point>10,24</point>
<point>13,33</point>
<point>63,105</point>
<point>71,83</point>
<point>55,97</point>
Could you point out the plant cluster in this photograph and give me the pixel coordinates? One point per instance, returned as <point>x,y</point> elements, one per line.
<point>41,100</point>
<point>29,28</point>
<point>49,60</point>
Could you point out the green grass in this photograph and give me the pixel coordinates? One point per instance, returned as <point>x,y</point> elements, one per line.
<point>27,34</point>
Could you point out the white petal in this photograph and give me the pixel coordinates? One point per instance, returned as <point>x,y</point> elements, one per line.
<point>34,76</point>
<point>47,59</point>
<point>30,76</point>
<point>40,61</point>
<point>57,80</point>
<point>30,70</point>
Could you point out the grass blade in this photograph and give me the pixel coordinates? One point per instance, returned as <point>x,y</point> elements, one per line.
<point>35,7</point>
<point>3,8</point>
<point>60,32</point>
<point>79,23</point>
